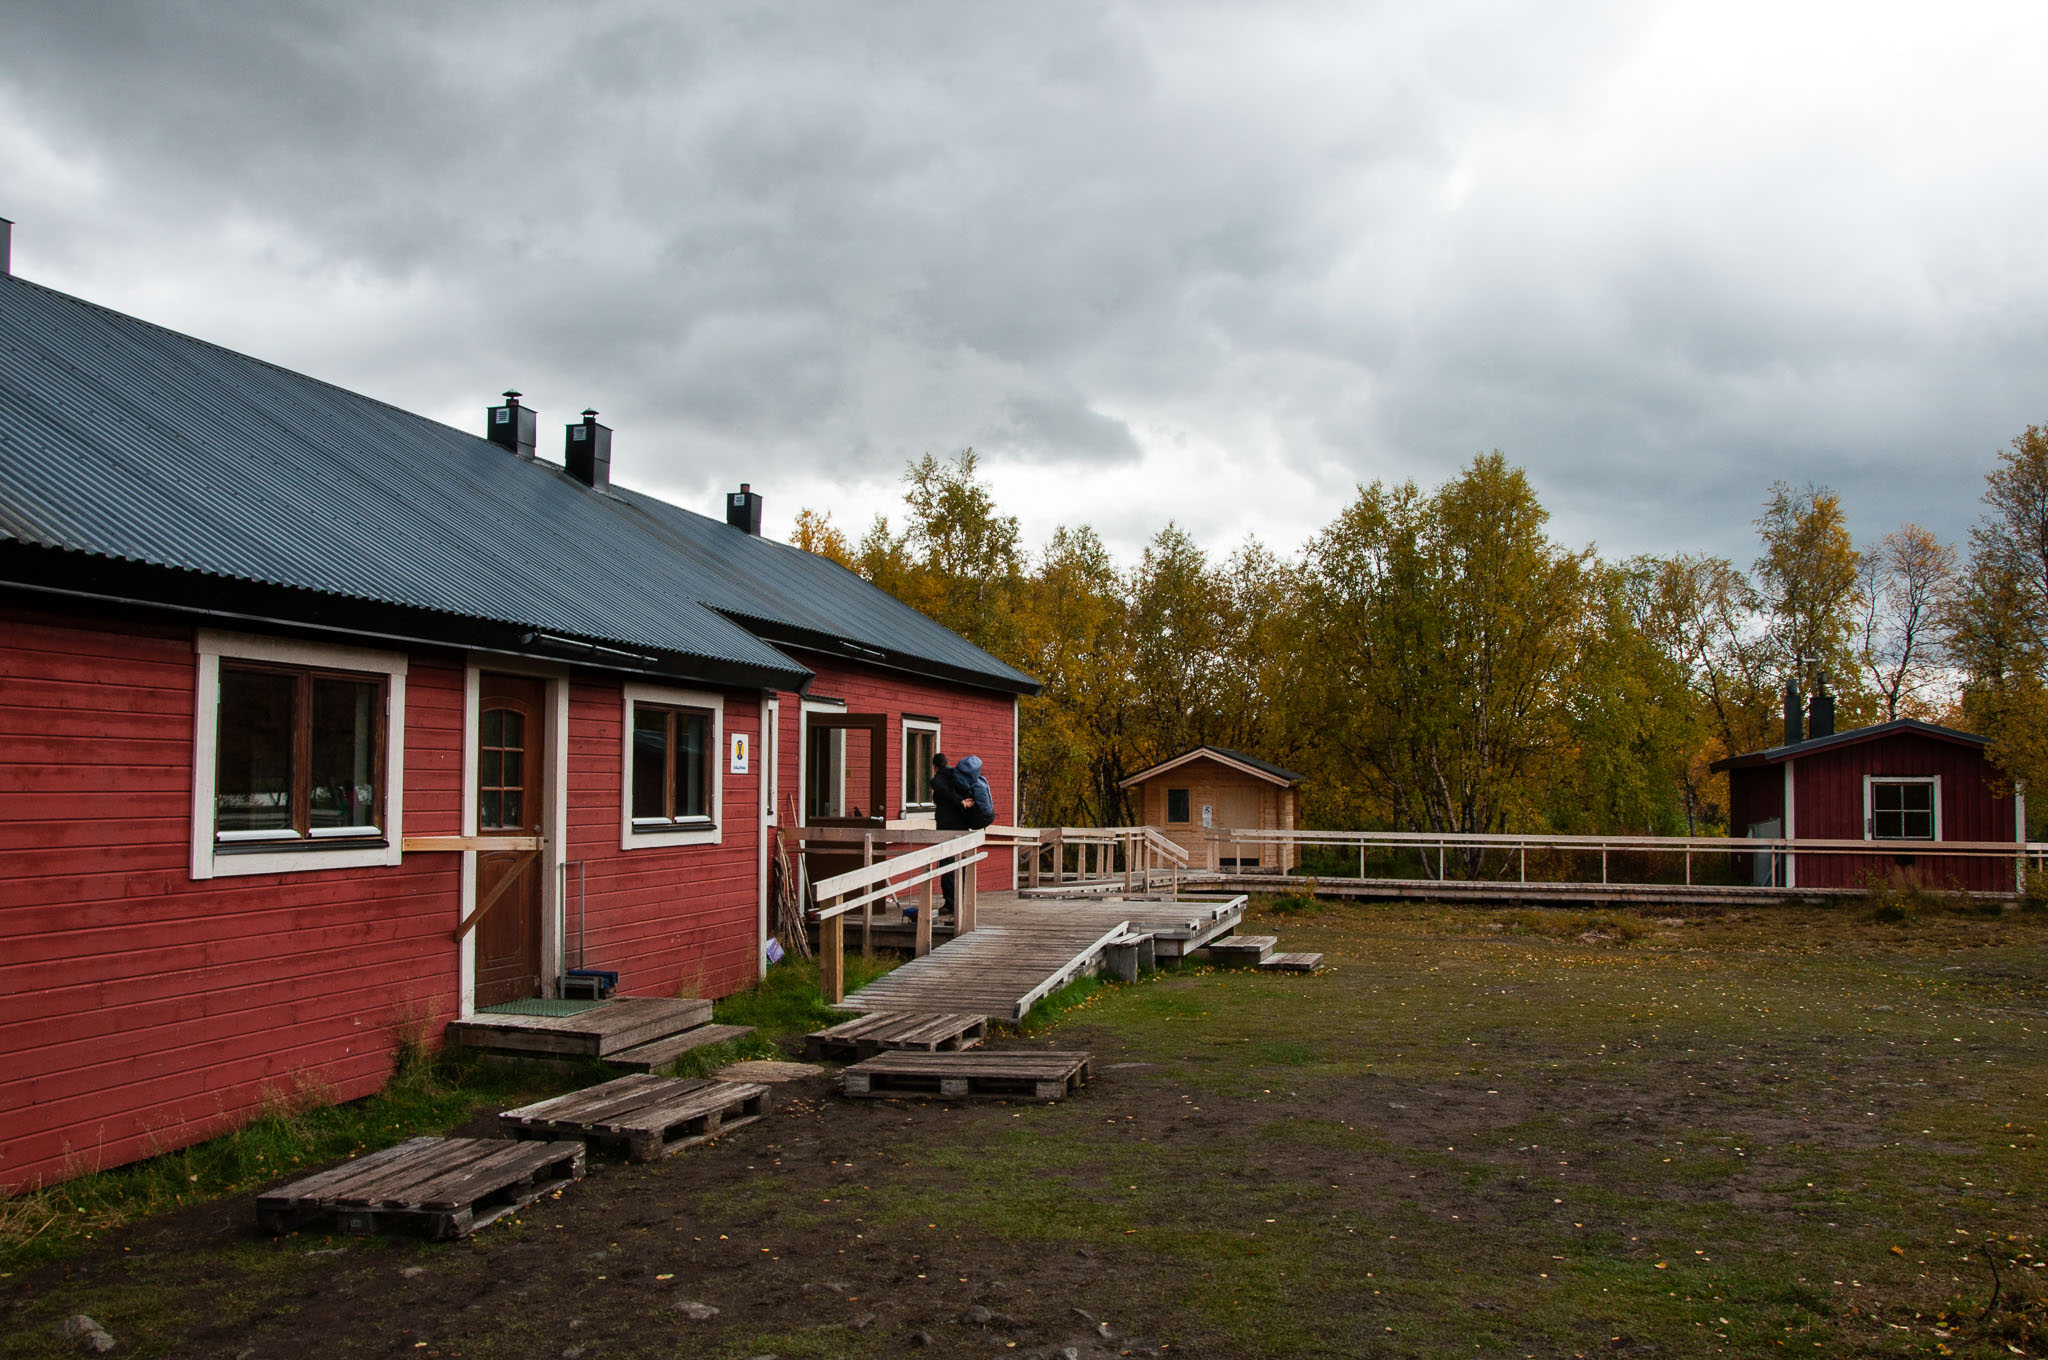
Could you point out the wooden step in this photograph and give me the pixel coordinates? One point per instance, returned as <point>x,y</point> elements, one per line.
<point>1239,949</point>
<point>884,1031</point>
<point>652,1057</point>
<point>622,1023</point>
<point>1291,963</point>
<point>444,1187</point>
<point>1025,1074</point>
<point>646,1117</point>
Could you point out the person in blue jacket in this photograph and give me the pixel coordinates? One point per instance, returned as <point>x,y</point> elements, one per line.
<point>951,802</point>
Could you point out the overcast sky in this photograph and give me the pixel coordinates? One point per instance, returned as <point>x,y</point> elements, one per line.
<point>1208,263</point>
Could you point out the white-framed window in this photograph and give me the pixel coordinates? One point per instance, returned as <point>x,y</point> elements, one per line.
<point>673,791</point>
<point>298,756</point>
<point>920,744</point>
<point>1902,808</point>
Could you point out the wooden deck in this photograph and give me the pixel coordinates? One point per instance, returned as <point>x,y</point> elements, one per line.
<point>614,1027</point>
<point>1026,949</point>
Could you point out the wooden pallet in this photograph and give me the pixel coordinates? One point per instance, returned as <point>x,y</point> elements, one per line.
<point>1291,963</point>
<point>1015,1075</point>
<point>444,1187</point>
<point>883,1031</point>
<point>652,1057</point>
<point>646,1117</point>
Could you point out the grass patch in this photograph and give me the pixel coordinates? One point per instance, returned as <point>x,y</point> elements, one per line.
<point>788,1003</point>
<point>1050,1010</point>
<point>428,1093</point>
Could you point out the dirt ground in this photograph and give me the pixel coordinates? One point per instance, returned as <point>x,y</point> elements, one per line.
<point>1469,1137</point>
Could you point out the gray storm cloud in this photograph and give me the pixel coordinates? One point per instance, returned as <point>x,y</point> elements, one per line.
<point>1209,263</point>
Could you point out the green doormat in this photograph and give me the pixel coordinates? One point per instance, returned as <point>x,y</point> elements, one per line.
<point>535,1005</point>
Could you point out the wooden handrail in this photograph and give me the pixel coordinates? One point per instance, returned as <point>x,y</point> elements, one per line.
<point>1728,845</point>
<point>884,870</point>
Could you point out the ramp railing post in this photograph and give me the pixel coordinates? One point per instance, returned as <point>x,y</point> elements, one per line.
<point>867,909</point>
<point>966,898</point>
<point>924,918</point>
<point>832,955</point>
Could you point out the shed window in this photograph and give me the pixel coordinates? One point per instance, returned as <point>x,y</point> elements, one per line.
<point>1902,810</point>
<point>672,760</point>
<point>1176,805</point>
<point>298,756</point>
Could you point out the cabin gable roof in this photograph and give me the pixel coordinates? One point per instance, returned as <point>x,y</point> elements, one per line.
<point>1222,755</point>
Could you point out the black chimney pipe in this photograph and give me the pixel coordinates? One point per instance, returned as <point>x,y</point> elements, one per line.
<point>6,248</point>
<point>1794,714</point>
<point>1821,716</point>
<point>588,452</point>
<point>743,510</point>
<point>513,426</point>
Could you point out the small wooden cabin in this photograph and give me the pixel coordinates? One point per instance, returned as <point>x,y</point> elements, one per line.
<point>1893,784</point>
<point>1214,787</point>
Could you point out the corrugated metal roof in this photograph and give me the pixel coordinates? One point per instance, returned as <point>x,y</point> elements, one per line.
<point>121,439</point>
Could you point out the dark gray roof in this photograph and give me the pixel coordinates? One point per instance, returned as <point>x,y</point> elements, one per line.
<point>1772,755</point>
<point>1278,772</point>
<point>125,441</point>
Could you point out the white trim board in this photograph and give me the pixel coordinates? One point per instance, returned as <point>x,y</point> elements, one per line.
<point>209,646</point>
<point>633,837</point>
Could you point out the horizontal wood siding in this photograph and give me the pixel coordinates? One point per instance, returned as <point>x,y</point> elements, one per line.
<point>971,722</point>
<point>1206,781</point>
<point>1829,791</point>
<point>669,919</point>
<point>145,1010</point>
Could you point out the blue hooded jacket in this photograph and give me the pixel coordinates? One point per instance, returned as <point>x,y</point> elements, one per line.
<point>968,771</point>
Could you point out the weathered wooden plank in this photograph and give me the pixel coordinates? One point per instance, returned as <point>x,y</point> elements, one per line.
<point>652,1057</point>
<point>444,1186</point>
<point>1291,963</point>
<point>1034,1075</point>
<point>646,1117</point>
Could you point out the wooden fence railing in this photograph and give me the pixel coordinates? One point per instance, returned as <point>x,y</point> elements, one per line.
<point>1436,850</point>
<point>859,889</point>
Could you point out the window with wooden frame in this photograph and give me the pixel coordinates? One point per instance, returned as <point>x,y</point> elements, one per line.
<point>297,756</point>
<point>1903,809</point>
<point>920,744</point>
<point>672,793</point>
<point>1176,805</point>
<point>673,766</point>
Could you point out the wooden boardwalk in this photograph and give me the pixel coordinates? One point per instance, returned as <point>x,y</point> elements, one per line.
<point>1024,950</point>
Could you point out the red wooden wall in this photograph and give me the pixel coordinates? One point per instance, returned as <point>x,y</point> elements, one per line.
<point>971,722</point>
<point>1828,805</point>
<point>675,920</point>
<point>144,1010</point>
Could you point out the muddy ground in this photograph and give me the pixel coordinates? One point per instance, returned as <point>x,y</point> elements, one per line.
<point>1466,1138</point>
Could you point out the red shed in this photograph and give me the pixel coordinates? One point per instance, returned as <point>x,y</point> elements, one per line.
<point>323,725</point>
<point>1898,785</point>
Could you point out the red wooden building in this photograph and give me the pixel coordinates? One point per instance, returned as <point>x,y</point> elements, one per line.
<point>1898,785</point>
<point>293,684</point>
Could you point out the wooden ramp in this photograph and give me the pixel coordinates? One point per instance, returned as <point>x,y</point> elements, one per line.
<point>1024,950</point>
<point>598,1031</point>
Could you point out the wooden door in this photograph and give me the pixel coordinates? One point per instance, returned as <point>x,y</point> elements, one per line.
<point>510,780</point>
<point>1238,805</point>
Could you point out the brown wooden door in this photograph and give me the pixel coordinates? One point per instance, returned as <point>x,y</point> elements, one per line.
<point>510,778</point>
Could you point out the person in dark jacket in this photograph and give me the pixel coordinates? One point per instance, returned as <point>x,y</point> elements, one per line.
<point>950,802</point>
